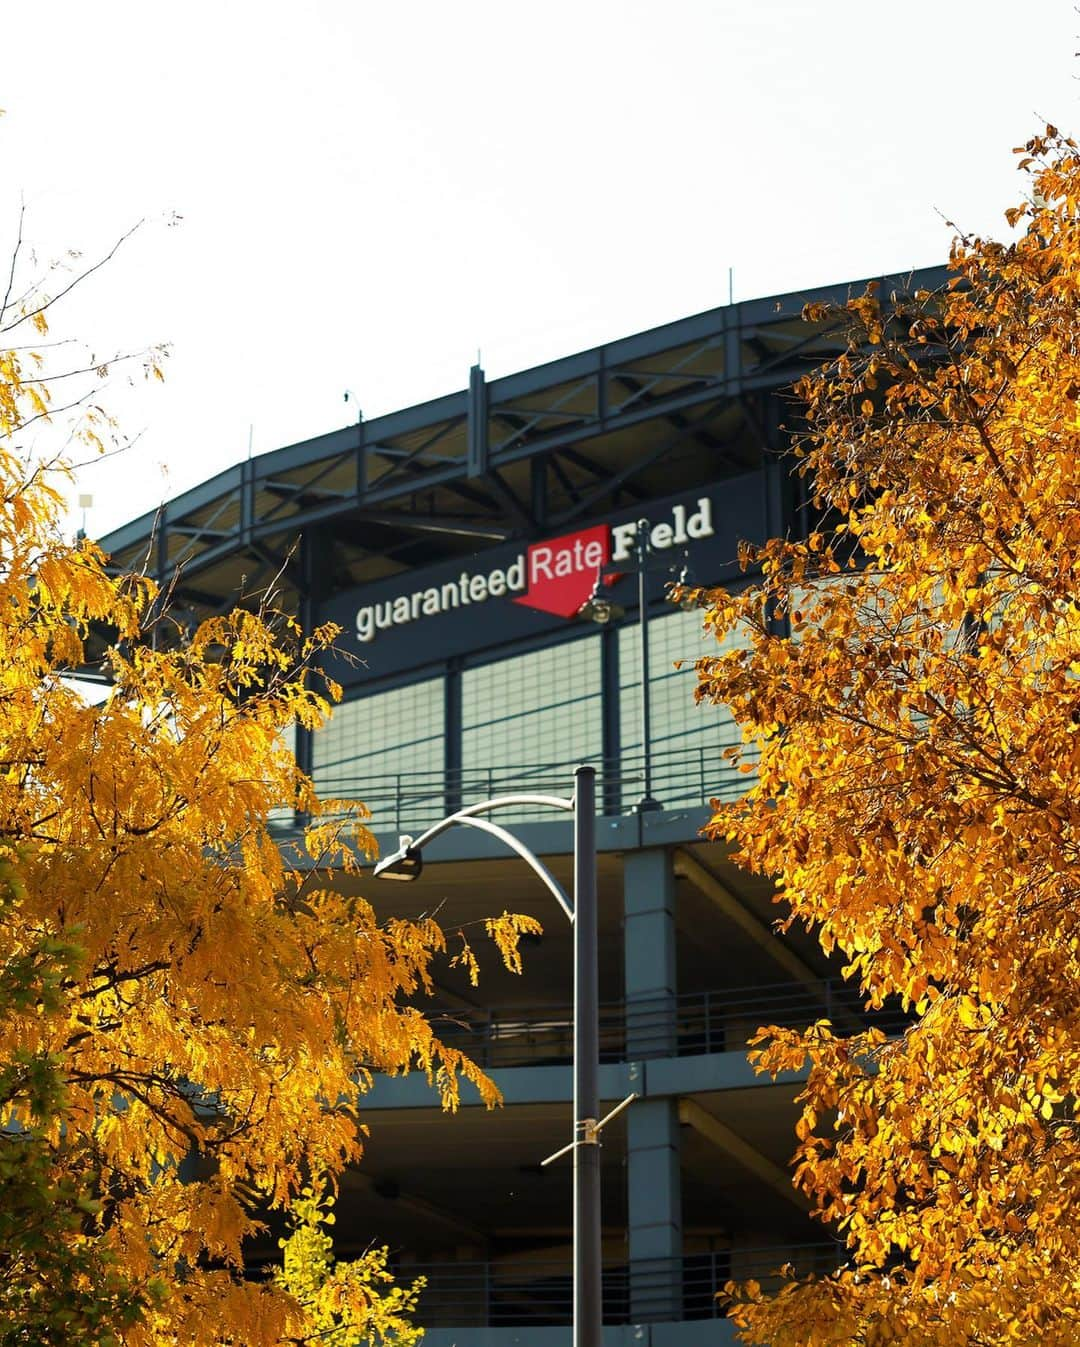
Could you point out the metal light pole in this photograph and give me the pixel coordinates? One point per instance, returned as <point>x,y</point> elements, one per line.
<point>407,863</point>
<point>599,608</point>
<point>588,1293</point>
<point>646,802</point>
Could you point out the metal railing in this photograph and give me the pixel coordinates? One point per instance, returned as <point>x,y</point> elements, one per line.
<point>684,777</point>
<point>520,1293</point>
<point>676,1026</point>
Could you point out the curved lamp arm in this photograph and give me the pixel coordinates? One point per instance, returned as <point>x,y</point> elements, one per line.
<point>537,866</point>
<point>487,806</point>
<point>410,849</point>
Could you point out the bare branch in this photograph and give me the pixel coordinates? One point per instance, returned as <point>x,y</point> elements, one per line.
<point>82,276</point>
<point>14,259</point>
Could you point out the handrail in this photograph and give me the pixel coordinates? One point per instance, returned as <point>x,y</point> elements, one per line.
<point>520,1292</point>
<point>626,765</point>
<point>689,1024</point>
<point>689,775</point>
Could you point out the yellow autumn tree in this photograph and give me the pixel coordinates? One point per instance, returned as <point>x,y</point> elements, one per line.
<point>917,794</point>
<point>330,1291</point>
<point>173,985</point>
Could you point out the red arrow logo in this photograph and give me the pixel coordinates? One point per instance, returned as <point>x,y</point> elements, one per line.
<point>561,572</point>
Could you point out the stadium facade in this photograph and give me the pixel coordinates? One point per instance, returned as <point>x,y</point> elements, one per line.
<point>455,543</point>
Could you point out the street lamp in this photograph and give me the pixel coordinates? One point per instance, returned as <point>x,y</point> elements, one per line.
<point>600,609</point>
<point>406,864</point>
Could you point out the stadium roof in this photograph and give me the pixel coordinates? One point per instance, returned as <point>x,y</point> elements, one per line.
<point>523,456</point>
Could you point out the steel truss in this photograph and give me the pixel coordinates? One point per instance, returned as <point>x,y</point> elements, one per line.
<point>516,457</point>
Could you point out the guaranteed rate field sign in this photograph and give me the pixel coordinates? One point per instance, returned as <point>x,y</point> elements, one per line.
<point>506,593</point>
<point>562,571</point>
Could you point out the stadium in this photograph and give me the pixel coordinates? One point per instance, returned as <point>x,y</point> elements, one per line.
<point>489,557</point>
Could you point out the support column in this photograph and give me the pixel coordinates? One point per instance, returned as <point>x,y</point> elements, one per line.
<point>654,1200</point>
<point>476,424</point>
<point>304,743</point>
<point>649,953</point>
<point>452,760</point>
<point>611,789</point>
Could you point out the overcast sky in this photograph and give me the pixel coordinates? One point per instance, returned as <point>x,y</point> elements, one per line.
<point>371,192</point>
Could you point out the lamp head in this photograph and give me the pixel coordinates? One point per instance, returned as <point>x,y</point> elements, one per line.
<point>684,585</point>
<point>598,607</point>
<point>405,864</point>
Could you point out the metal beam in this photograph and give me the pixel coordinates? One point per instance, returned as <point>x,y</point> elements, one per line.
<point>463,525</point>
<point>538,491</point>
<point>410,458</point>
<point>477,434</point>
<point>564,479</point>
<point>443,475</point>
<point>199,531</point>
<point>291,489</point>
<point>422,450</point>
<point>676,419</point>
<point>617,479</point>
<point>283,565</point>
<point>581,460</point>
<point>723,1138</point>
<point>772,379</point>
<point>170,518</point>
<point>522,422</point>
<point>753,421</point>
<point>520,514</point>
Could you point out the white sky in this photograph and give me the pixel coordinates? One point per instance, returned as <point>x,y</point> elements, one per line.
<point>372,191</point>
